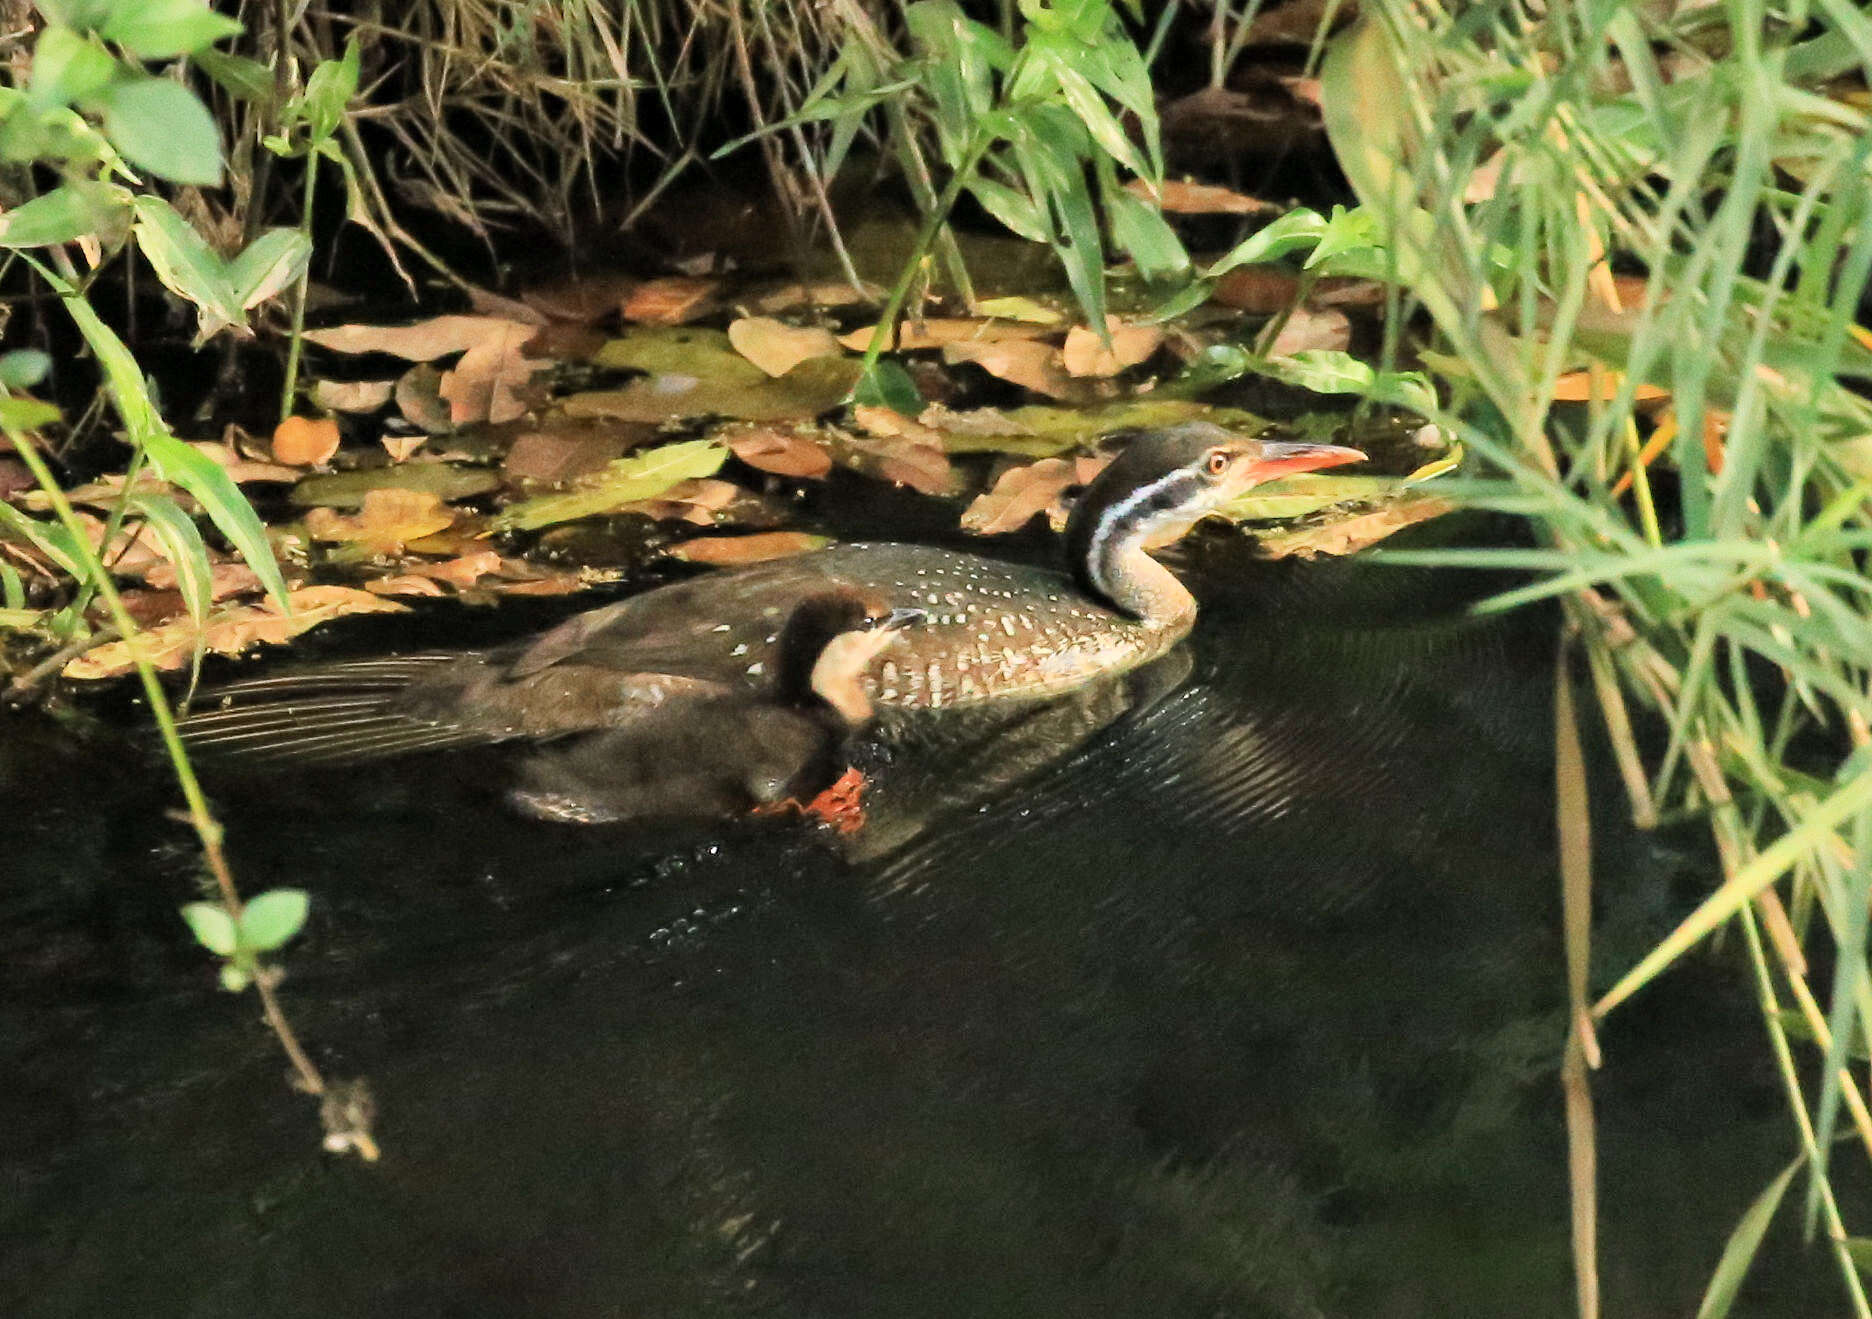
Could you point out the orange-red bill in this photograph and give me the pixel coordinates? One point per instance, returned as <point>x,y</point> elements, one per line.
<point>1285,458</point>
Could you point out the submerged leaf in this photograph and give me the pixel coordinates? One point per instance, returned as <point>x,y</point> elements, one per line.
<point>447,481</point>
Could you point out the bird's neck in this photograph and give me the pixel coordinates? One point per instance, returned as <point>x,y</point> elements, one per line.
<point>1106,540</point>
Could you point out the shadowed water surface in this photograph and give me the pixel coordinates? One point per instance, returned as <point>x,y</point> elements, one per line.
<point>1248,1006</point>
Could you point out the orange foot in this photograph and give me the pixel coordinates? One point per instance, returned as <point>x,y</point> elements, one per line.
<point>840,805</point>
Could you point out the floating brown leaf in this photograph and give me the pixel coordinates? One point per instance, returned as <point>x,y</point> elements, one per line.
<point>419,399</point>
<point>228,631</point>
<point>224,579</point>
<point>389,520</point>
<point>1029,364</point>
<point>352,395</point>
<point>485,385</point>
<point>777,449</point>
<point>423,341</point>
<point>567,449</point>
<point>675,300</point>
<point>729,550</point>
<point>937,331</point>
<point>776,347</point>
<point>305,441</point>
<point>400,447</point>
<point>1199,198</point>
<point>1019,494</point>
<point>902,450</point>
<point>1085,354</point>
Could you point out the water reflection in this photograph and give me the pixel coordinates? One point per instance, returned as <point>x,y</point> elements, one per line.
<point>1239,995</point>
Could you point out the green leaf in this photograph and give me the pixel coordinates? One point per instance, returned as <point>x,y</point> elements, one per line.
<point>234,978</point>
<point>49,538</point>
<point>1139,228</point>
<point>164,128</point>
<point>186,265</point>
<point>66,68</point>
<point>226,506</point>
<point>25,414</point>
<point>81,14</point>
<point>214,928</point>
<point>271,918</point>
<point>624,481</point>
<point>163,29</point>
<point>1733,1267</point>
<point>1291,232</point>
<point>269,264</point>
<point>183,545</point>
<point>75,209</point>
<point>328,91</point>
<point>888,385</point>
<point>1326,371</point>
<point>24,367</point>
<point>1017,212</point>
<point>249,80</point>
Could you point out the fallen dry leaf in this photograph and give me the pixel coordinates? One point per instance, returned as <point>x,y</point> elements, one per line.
<point>776,347</point>
<point>305,441</point>
<point>227,631</point>
<point>936,331</point>
<point>419,399</point>
<point>1199,199</point>
<point>761,546</point>
<point>697,500</point>
<point>675,300</point>
<point>1262,290</point>
<point>901,449</point>
<point>777,449</point>
<point>352,395</point>
<point>400,447</point>
<point>1019,494</point>
<point>224,579</point>
<point>485,384</point>
<point>405,584</point>
<point>569,449</point>
<point>1307,329</point>
<point>1024,362</point>
<point>388,520</point>
<point>1085,354</point>
<point>424,341</point>
<point>241,469</point>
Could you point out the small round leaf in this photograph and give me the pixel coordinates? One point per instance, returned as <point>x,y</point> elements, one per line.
<point>214,928</point>
<point>272,918</point>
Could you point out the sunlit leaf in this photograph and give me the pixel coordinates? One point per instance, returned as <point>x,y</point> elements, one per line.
<point>163,127</point>
<point>640,476</point>
<point>269,919</point>
<point>214,928</point>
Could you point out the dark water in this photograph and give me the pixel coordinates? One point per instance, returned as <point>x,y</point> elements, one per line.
<point>1249,1006</point>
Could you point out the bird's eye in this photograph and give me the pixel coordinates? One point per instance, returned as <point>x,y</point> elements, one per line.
<point>1217,462</point>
